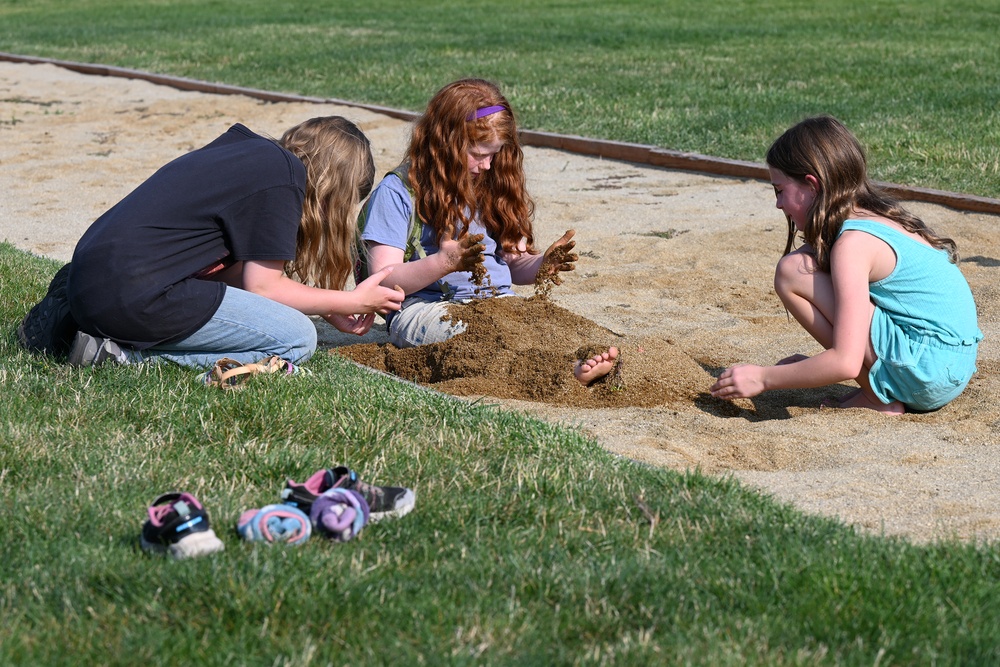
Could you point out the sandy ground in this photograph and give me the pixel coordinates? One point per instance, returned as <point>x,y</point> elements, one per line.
<point>681,257</point>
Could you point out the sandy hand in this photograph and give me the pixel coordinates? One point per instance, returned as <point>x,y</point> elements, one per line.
<point>739,381</point>
<point>464,253</point>
<point>559,257</point>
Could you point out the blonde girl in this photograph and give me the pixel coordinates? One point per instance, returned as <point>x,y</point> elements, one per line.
<point>223,252</point>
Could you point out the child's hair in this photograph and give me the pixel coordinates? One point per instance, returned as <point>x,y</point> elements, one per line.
<point>445,194</point>
<point>340,172</point>
<point>822,147</point>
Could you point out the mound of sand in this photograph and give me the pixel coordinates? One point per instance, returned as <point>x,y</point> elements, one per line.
<point>525,349</point>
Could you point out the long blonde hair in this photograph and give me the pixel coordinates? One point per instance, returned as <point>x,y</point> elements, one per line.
<point>822,147</point>
<point>445,194</point>
<point>340,172</point>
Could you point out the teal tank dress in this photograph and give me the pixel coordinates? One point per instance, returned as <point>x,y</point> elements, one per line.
<point>924,330</point>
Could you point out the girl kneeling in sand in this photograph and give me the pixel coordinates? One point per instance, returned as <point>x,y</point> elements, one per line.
<point>197,263</point>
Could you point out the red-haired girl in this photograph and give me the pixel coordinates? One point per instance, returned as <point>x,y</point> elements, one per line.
<point>454,220</point>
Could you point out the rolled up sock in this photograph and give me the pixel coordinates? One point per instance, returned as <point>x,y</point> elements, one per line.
<point>274,523</point>
<point>339,514</point>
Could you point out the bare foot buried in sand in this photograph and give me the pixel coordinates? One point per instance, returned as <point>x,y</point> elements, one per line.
<point>599,365</point>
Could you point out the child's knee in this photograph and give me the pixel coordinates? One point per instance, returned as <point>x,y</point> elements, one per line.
<point>791,270</point>
<point>302,341</point>
<point>423,323</point>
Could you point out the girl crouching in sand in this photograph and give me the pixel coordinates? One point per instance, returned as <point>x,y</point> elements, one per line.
<point>872,284</point>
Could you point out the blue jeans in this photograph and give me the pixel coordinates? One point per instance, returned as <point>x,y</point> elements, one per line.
<point>419,323</point>
<point>247,327</point>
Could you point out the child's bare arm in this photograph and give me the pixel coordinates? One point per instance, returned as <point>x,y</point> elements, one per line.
<point>267,278</point>
<point>454,255</point>
<point>852,260</point>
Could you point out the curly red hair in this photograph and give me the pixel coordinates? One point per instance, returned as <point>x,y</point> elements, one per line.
<point>445,193</point>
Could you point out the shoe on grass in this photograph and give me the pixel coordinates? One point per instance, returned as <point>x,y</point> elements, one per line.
<point>339,514</point>
<point>275,523</point>
<point>178,526</point>
<point>383,501</point>
<point>90,350</point>
<point>231,374</point>
<point>49,327</point>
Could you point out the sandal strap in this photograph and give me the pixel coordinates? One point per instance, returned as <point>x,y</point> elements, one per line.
<point>273,364</point>
<point>230,374</point>
<point>225,374</point>
<point>235,377</point>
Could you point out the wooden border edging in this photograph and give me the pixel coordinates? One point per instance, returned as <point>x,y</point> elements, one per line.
<point>611,150</point>
<point>194,85</point>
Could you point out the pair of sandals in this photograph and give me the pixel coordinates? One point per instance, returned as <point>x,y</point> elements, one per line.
<point>228,374</point>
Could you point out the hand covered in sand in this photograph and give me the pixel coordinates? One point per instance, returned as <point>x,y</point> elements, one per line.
<point>464,253</point>
<point>739,381</point>
<point>559,257</point>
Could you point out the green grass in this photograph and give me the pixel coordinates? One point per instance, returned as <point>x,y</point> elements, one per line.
<point>919,81</point>
<point>530,543</point>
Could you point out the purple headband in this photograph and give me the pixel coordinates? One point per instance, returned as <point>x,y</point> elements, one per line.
<point>485,111</point>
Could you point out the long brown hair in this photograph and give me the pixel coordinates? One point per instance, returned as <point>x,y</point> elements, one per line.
<point>822,147</point>
<point>445,193</point>
<point>340,172</point>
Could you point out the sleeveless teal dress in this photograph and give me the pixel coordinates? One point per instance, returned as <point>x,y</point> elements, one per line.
<point>924,330</point>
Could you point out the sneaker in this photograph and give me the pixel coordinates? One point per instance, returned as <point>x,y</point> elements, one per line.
<point>383,501</point>
<point>48,328</point>
<point>178,526</point>
<point>89,350</point>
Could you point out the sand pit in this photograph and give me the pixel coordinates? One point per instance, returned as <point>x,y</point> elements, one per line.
<point>675,268</point>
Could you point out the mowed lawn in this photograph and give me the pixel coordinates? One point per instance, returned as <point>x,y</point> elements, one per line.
<point>919,81</point>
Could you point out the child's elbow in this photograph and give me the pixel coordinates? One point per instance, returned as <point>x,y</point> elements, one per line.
<point>848,369</point>
<point>264,288</point>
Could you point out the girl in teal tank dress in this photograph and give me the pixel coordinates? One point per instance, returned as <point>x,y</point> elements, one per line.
<point>877,288</point>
